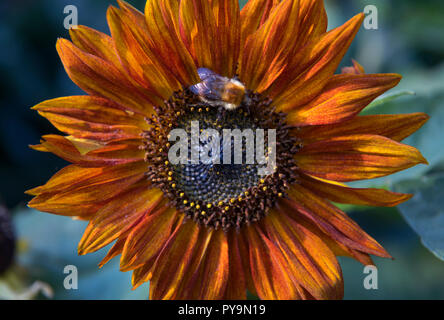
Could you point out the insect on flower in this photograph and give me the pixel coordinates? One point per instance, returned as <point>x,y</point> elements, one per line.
<point>219,91</point>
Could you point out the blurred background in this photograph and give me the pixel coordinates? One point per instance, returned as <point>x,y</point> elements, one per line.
<point>409,40</point>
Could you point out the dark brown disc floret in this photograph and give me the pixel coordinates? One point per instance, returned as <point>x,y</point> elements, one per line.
<point>220,195</point>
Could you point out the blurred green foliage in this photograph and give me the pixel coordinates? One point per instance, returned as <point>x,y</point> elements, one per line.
<point>409,41</point>
<point>45,257</point>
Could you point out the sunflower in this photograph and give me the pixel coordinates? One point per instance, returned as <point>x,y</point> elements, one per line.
<point>214,232</point>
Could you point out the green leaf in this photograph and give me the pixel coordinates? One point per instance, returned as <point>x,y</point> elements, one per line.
<point>425,211</point>
<point>387,99</point>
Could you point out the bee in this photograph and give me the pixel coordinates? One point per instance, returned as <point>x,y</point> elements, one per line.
<point>219,91</point>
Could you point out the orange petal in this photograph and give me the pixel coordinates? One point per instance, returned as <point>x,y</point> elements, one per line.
<point>74,177</point>
<point>243,245</point>
<point>124,152</point>
<point>96,43</point>
<point>341,250</point>
<point>355,69</point>
<point>130,34</point>
<point>330,220</point>
<point>186,289</point>
<point>211,269</point>
<point>142,274</point>
<point>115,250</point>
<point>396,127</point>
<point>313,21</point>
<point>312,263</point>
<point>145,272</point>
<point>174,261</point>
<point>162,17</point>
<point>265,54</point>
<point>88,117</point>
<point>311,68</point>
<point>118,216</point>
<point>87,193</point>
<point>344,194</point>
<point>253,15</point>
<point>236,283</point>
<point>269,269</point>
<point>99,77</point>
<point>101,45</point>
<point>211,32</point>
<point>343,98</point>
<point>80,211</point>
<point>338,248</point>
<point>118,247</point>
<point>356,157</point>
<point>147,238</point>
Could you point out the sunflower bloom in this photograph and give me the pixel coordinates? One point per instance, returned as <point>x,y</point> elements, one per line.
<point>214,232</point>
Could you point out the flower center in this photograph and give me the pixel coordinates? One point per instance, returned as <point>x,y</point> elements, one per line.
<point>219,180</point>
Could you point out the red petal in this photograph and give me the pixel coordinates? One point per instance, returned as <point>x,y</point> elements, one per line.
<point>162,17</point>
<point>93,118</point>
<point>118,216</point>
<point>356,157</point>
<point>147,238</point>
<point>124,152</point>
<point>265,54</point>
<point>209,278</point>
<point>174,261</point>
<point>343,194</point>
<point>343,98</point>
<point>131,37</point>
<point>211,32</point>
<point>311,262</point>
<point>99,77</point>
<point>236,283</point>
<point>330,220</point>
<point>269,269</point>
<point>311,68</point>
<point>395,127</point>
